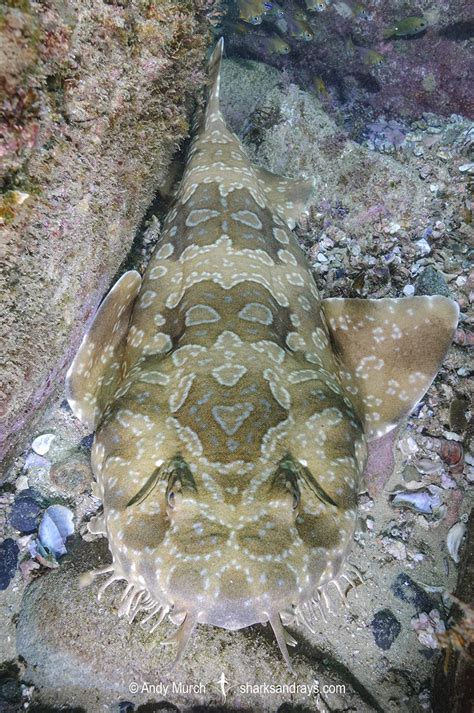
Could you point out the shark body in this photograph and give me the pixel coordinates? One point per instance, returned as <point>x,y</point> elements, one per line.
<point>232,406</point>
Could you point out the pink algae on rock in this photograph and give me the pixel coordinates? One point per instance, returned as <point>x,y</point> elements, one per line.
<point>96,97</point>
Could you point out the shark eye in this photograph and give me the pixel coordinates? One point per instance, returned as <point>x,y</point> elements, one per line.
<point>174,492</point>
<point>296,499</point>
<point>285,480</point>
<point>171,499</point>
<point>180,480</point>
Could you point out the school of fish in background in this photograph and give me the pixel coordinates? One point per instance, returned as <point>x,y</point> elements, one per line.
<point>352,50</point>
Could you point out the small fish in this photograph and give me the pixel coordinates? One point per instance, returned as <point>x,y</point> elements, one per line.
<point>370,57</point>
<point>300,14</point>
<point>316,5</point>
<point>320,86</point>
<point>276,45</point>
<point>240,27</point>
<point>350,9</point>
<point>274,11</point>
<point>299,29</point>
<point>251,11</point>
<point>408,27</point>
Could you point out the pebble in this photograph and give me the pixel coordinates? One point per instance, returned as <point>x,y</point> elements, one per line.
<point>9,552</point>
<point>21,483</point>
<point>427,626</point>
<point>71,477</point>
<point>408,446</point>
<point>431,282</point>
<point>423,246</point>
<point>451,452</point>
<point>33,460</point>
<point>385,628</point>
<point>55,527</point>
<point>409,290</point>
<point>455,538</point>
<point>25,513</point>
<point>87,441</point>
<point>126,707</point>
<point>42,444</point>
<point>394,228</point>
<point>444,154</point>
<point>458,421</point>
<point>407,590</point>
<point>11,695</point>
<point>467,168</point>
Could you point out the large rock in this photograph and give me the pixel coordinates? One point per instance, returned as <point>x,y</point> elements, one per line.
<point>289,132</point>
<point>96,98</point>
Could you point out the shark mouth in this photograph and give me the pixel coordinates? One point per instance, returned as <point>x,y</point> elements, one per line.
<point>138,600</point>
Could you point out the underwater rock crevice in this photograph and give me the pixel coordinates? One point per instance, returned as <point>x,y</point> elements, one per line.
<point>97,99</point>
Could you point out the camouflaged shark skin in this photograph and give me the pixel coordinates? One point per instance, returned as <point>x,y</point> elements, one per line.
<point>232,406</point>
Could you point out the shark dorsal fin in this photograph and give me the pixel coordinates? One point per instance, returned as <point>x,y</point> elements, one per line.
<point>212,107</point>
<point>289,197</point>
<point>389,351</point>
<point>96,371</point>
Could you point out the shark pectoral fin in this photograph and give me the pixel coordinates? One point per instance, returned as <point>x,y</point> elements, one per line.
<point>95,371</point>
<point>389,351</point>
<point>289,197</point>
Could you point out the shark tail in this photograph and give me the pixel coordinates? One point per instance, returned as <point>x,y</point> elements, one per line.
<point>212,108</point>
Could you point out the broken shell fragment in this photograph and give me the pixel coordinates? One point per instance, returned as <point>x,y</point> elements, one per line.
<point>451,452</point>
<point>421,501</point>
<point>41,444</point>
<point>454,539</point>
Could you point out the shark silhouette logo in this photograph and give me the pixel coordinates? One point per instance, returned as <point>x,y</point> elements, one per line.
<point>224,686</point>
<point>223,682</point>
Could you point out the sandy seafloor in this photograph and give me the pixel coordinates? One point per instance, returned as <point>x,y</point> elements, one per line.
<point>387,211</point>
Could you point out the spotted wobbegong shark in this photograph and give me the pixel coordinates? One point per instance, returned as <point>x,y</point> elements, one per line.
<point>232,406</point>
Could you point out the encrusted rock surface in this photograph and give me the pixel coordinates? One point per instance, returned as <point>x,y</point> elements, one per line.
<point>350,61</point>
<point>95,98</point>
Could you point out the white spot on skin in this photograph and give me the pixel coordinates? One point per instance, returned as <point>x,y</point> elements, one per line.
<point>157,272</point>
<point>165,251</point>
<point>146,299</point>
<point>294,278</point>
<point>158,344</point>
<point>281,235</point>
<point>201,314</point>
<point>368,364</point>
<point>159,320</point>
<point>230,418</point>
<point>200,216</point>
<point>304,302</point>
<point>154,377</point>
<point>296,377</point>
<point>295,342</point>
<point>247,217</point>
<point>178,398</point>
<point>287,257</point>
<point>229,374</point>
<point>256,312</point>
<point>280,394</point>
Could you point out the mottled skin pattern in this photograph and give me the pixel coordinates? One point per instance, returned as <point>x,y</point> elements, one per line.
<point>230,420</point>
